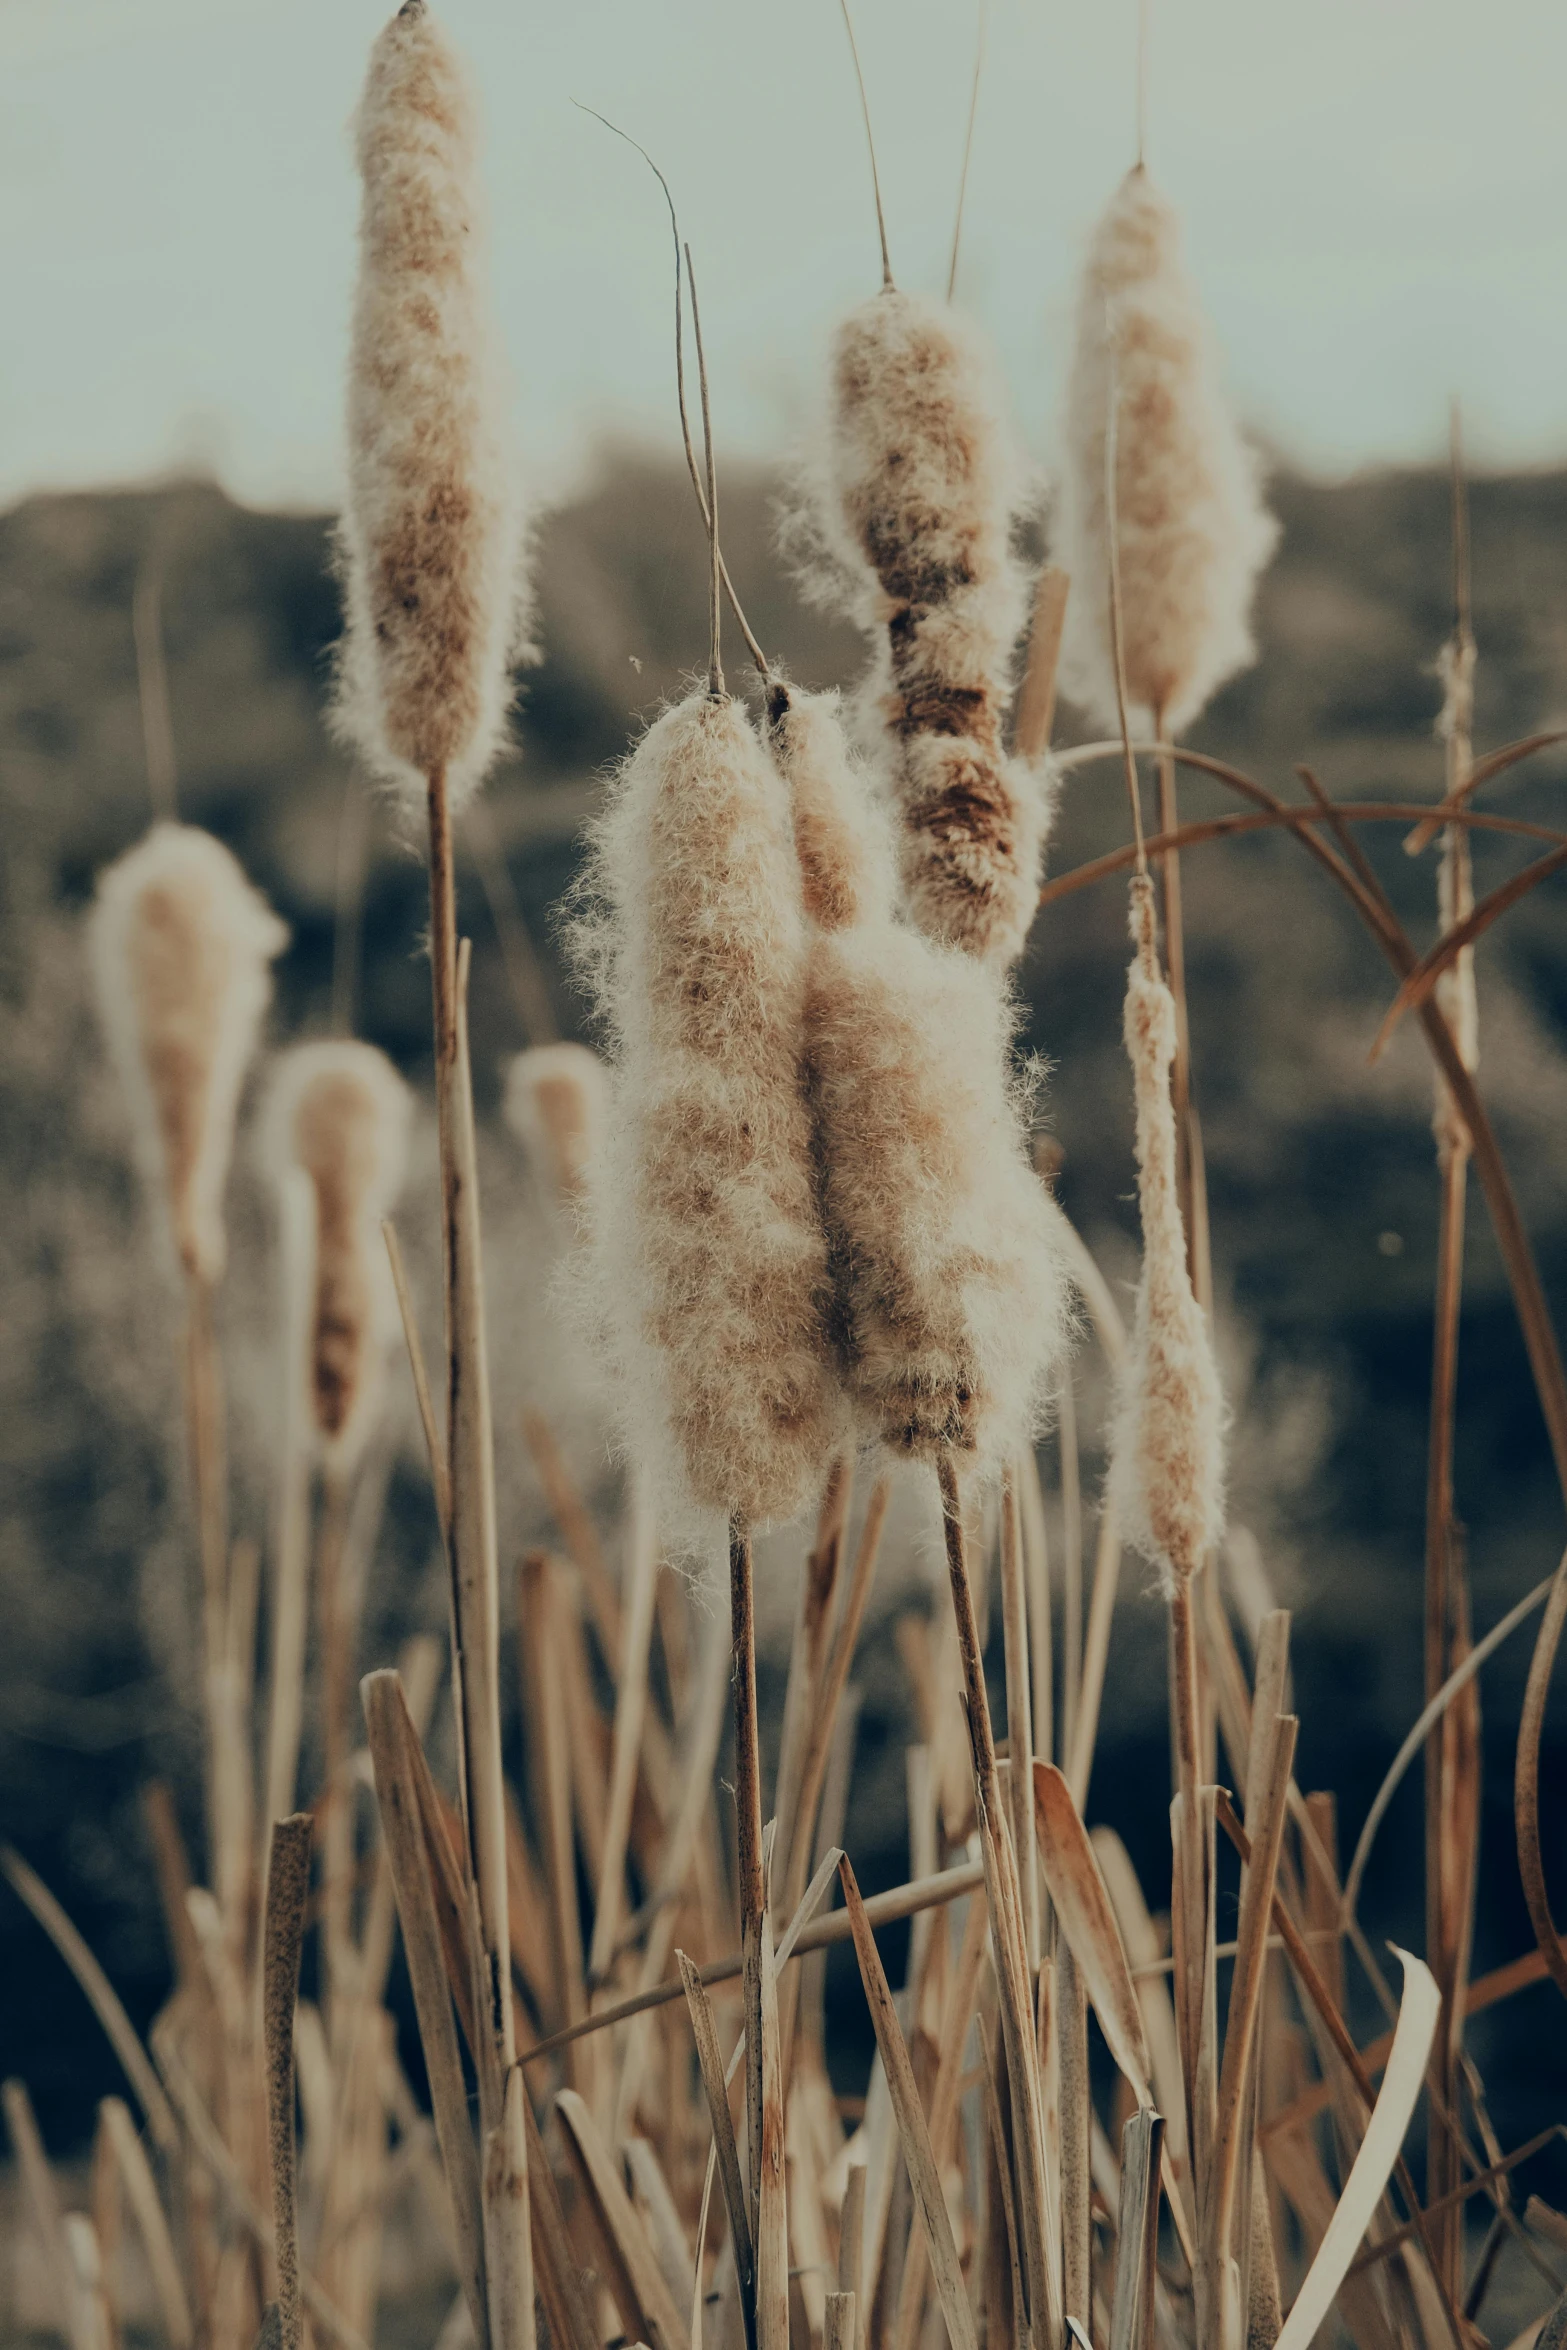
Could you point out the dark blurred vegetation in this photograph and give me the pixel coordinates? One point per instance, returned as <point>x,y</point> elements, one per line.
<point>1321,1169</point>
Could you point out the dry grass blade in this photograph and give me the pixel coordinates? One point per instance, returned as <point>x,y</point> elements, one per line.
<point>956,2018</point>
<point>630,1711</point>
<point>1482,771</point>
<point>1096,1651</point>
<point>508,2247</point>
<point>434,1447</point>
<point>1374,2163</point>
<point>838,2328</point>
<point>751,1881</point>
<point>1137,2233</point>
<point>100,1994</point>
<point>1463,934</point>
<point>1036,701</point>
<point>141,2191</point>
<point>1020,1723</point>
<point>1526,1781</point>
<point>578,1532</point>
<point>1077,2121</point>
<point>725,2151</point>
<point>43,2208</point>
<point>1270,817</point>
<point>555,2269</point>
<point>772,2232</point>
<point>402,1828</point>
<point>1087,1920</point>
<point>883,1909</point>
<point>288,1889</point>
<point>1268,1807</point>
<point>1457,1680</point>
<point>638,2284</point>
<point>929,2199</point>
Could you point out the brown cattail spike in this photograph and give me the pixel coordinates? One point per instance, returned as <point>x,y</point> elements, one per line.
<point>915,524</point>
<point>430,541</point>
<point>1167,1452</point>
<point>1192,532</point>
<point>181,946</point>
<point>949,1310</point>
<point>340,1113</point>
<point>707,1274</point>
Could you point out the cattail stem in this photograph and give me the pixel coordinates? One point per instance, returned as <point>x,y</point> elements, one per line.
<point>748,1842</point>
<point>336,1801</point>
<point>1175,965</point>
<point>288,1885</point>
<point>470,1465</point>
<point>228,1798</point>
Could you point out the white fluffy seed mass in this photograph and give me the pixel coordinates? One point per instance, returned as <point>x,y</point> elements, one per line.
<point>1167,1440</point>
<point>554,1104</point>
<point>706,1265</point>
<point>914,516</point>
<point>430,537</point>
<point>1193,532</point>
<point>949,1296</point>
<point>181,949</point>
<point>339,1112</point>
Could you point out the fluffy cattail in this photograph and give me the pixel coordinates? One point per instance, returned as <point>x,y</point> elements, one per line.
<point>430,536</point>
<point>916,521</point>
<point>949,1297</point>
<point>708,1266</point>
<point>1167,1444</point>
<point>181,947</point>
<point>339,1112</point>
<point>554,1104</point>
<point>1192,530</point>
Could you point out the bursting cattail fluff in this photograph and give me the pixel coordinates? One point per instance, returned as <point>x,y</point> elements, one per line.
<point>1192,530</point>
<point>706,1263</point>
<point>554,1104</point>
<point>339,1114</point>
<point>429,541</point>
<point>914,519</point>
<point>181,949</point>
<point>949,1300</point>
<point>1167,1442</point>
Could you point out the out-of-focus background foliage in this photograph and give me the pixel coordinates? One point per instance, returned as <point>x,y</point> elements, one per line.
<point>1320,1167</point>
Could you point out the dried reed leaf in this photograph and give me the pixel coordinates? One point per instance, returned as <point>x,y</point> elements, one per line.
<point>635,2279</point>
<point>100,1994</point>
<point>44,2210</point>
<point>915,2136</point>
<point>630,1712</point>
<point>1087,1919</point>
<point>1137,2232</point>
<point>508,2245</point>
<point>1036,700</point>
<point>1373,2165</point>
<point>1526,1778</point>
<point>725,2151</point>
<point>772,2230</point>
<point>410,1852</point>
<point>141,2192</point>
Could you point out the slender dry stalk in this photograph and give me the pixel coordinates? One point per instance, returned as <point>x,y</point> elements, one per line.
<point>910,527</point>
<point>288,1886</point>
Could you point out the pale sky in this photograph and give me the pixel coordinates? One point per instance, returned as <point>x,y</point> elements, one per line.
<point>1373,191</point>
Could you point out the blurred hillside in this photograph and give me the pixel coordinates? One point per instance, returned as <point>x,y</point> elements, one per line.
<point>1320,1168</point>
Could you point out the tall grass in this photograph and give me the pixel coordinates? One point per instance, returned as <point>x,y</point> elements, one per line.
<point>815,1245</point>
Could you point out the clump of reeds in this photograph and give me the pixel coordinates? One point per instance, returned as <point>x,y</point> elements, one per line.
<point>1167,1452</point>
<point>948,1293</point>
<point>339,1113</point>
<point>430,532</point>
<point>914,516</point>
<point>1192,530</point>
<point>709,1270</point>
<point>182,947</point>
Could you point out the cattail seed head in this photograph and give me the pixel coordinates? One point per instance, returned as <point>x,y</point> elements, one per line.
<point>429,541</point>
<point>554,1104</point>
<point>1192,530</point>
<point>949,1300</point>
<point>339,1114</point>
<point>706,1265</point>
<point>1167,1442</point>
<point>181,948</point>
<point>914,521</point>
